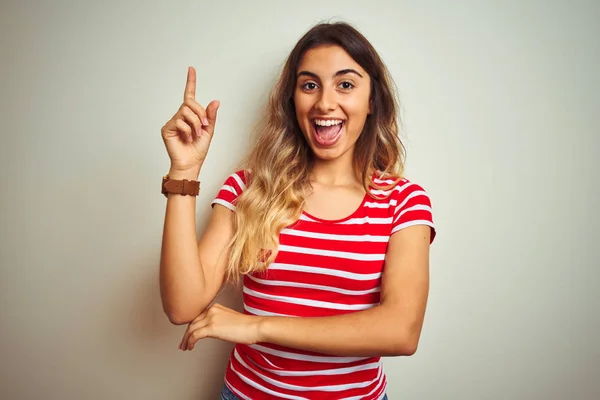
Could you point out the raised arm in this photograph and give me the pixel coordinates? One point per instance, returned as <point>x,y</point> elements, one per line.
<point>191,269</point>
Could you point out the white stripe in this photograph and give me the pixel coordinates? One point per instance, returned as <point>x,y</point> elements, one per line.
<point>320,372</point>
<point>398,188</point>
<point>239,181</point>
<point>262,313</point>
<point>412,223</point>
<point>264,389</point>
<point>304,217</point>
<point>341,238</point>
<point>237,392</point>
<point>306,357</point>
<point>386,181</point>
<point>230,189</point>
<point>369,204</point>
<point>270,363</point>
<point>224,204</point>
<point>383,390</point>
<point>310,303</point>
<point>367,220</point>
<point>325,271</point>
<point>375,389</point>
<point>418,207</point>
<point>316,287</point>
<point>327,388</point>
<point>330,253</point>
<point>410,196</point>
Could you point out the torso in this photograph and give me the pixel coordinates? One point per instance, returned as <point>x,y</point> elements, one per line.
<point>330,262</point>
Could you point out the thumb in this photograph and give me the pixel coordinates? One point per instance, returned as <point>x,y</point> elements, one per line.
<point>211,111</point>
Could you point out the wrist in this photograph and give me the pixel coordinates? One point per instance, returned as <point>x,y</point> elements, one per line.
<point>189,174</point>
<point>262,328</point>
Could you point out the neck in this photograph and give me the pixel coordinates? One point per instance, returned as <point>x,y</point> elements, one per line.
<point>338,172</point>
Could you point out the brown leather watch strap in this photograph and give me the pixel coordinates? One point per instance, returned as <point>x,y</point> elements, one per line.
<point>179,186</point>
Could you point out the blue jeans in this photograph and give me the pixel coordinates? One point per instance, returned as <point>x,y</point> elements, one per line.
<point>227,394</point>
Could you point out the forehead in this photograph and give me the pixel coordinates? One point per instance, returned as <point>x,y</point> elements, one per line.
<point>327,60</point>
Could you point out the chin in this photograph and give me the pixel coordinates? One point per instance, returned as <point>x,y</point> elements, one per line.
<point>330,153</point>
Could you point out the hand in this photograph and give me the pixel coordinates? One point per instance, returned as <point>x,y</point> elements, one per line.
<point>223,323</point>
<point>188,134</point>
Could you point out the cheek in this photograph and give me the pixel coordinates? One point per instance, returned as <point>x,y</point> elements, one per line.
<point>302,106</point>
<point>358,105</point>
<point>358,112</point>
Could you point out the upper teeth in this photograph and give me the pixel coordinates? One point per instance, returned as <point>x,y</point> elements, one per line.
<point>328,122</point>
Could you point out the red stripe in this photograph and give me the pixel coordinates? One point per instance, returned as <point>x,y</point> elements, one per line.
<point>330,262</point>
<point>313,294</point>
<point>296,310</point>
<point>359,247</point>
<point>345,229</point>
<point>302,365</point>
<point>319,279</point>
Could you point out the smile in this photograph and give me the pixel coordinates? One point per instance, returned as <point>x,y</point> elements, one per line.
<point>327,132</point>
<point>327,122</point>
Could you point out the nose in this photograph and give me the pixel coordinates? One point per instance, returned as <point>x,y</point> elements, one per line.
<point>327,101</point>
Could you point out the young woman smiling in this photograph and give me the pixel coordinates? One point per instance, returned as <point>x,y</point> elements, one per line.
<point>330,241</point>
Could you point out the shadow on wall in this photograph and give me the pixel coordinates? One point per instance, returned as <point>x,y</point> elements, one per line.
<point>144,345</point>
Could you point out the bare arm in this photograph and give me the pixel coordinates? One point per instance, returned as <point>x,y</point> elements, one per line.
<point>190,276</point>
<point>391,329</point>
<point>191,271</point>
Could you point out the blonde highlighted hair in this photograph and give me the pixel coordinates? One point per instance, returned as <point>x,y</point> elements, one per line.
<point>281,160</point>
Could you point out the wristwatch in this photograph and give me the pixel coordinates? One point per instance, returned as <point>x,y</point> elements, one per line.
<point>179,186</point>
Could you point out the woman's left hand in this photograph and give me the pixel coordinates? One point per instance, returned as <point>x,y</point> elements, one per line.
<point>223,323</point>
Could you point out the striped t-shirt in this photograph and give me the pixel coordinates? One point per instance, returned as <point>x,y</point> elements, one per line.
<point>322,268</point>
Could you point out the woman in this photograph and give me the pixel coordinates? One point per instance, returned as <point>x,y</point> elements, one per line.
<point>330,241</point>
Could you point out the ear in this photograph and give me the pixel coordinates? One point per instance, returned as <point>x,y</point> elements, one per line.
<point>370,111</point>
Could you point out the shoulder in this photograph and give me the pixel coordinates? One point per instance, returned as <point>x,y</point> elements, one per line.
<point>231,189</point>
<point>395,189</point>
<point>239,179</point>
<point>408,191</point>
<point>409,202</point>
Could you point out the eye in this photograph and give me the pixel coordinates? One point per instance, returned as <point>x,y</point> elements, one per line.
<point>346,85</point>
<point>309,86</point>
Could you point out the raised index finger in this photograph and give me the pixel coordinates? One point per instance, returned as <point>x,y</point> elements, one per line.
<point>190,85</point>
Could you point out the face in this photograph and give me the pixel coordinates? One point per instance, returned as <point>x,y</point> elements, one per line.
<point>331,96</point>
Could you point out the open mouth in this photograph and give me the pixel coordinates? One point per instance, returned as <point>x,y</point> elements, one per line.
<point>328,131</point>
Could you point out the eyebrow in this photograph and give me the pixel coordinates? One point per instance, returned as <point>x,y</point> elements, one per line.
<point>340,72</point>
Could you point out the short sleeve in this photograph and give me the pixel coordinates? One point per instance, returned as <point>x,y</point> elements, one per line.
<point>412,207</point>
<point>233,186</point>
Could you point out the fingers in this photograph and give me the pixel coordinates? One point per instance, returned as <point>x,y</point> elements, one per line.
<point>185,338</point>
<point>194,333</point>
<point>198,110</point>
<point>190,85</point>
<point>185,131</point>
<point>211,112</point>
<point>207,117</point>
<point>200,327</point>
<point>194,116</point>
<point>197,323</point>
<point>198,334</point>
<point>192,119</point>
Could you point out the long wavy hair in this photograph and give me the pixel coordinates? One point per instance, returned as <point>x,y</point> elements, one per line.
<point>278,167</point>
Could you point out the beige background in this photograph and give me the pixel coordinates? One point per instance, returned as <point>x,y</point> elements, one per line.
<point>501,107</point>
